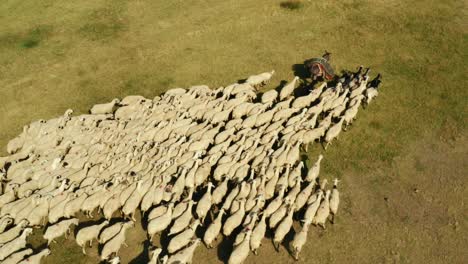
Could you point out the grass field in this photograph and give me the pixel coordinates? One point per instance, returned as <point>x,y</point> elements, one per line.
<point>403,164</point>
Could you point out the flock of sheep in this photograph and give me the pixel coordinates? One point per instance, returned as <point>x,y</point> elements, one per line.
<point>227,159</point>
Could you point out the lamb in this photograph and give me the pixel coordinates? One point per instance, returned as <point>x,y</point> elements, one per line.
<point>15,258</point>
<point>334,200</point>
<point>13,232</point>
<point>57,230</point>
<point>370,94</point>
<point>14,245</point>
<point>213,230</point>
<point>108,108</point>
<point>36,259</point>
<point>87,234</point>
<point>181,240</point>
<point>113,245</point>
<point>185,255</point>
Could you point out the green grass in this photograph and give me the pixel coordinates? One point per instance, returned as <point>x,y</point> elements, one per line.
<point>60,54</point>
<point>291,4</point>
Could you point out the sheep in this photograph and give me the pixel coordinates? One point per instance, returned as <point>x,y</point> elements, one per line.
<point>183,220</point>
<point>269,96</point>
<point>283,228</point>
<point>235,219</point>
<point>115,260</point>
<point>36,258</point>
<point>40,212</point>
<point>241,251</point>
<point>288,89</point>
<point>350,115</point>
<point>57,230</point>
<point>15,258</point>
<point>114,244</point>
<point>154,256</point>
<point>300,238</point>
<point>181,240</point>
<point>160,223</point>
<point>303,196</point>
<point>185,255</point>
<point>315,170</point>
<point>9,196</point>
<point>333,132</point>
<point>14,245</point>
<point>213,230</point>
<point>370,94</point>
<point>323,211</point>
<point>5,221</point>
<point>204,204</point>
<point>334,200</point>
<point>13,232</point>
<point>259,80</point>
<point>87,234</point>
<point>257,235</point>
<point>278,215</point>
<point>108,108</point>
<point>110,232</point>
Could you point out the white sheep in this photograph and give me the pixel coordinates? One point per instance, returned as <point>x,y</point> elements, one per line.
<point>213,230</point>
<point>323,211</point>
<point>5,222</point>
<point>181,240</point>
<point>59,229</point>
<point>110,232</point>
<point>235,219</point>
<point>300,238</point>
<point>185,255</point>
<point>333,132</point>
<point>288,89</point>
<point>108,108</point>
<point>204,204</point>
<point>14,245</point>
<point>15,258</point>
<point>160,223</point>
<point>13,232</point>
<point>36,258</point>
<point>283,228</point>
<point>241,251</point>
<point>154,256</point>
<point>183,220</point>
<point>114,244</point>
<point>314,171</point>
<point>258,234</point>
<point>87,234</point>
<point>334,200</point>
<point>259,80</point>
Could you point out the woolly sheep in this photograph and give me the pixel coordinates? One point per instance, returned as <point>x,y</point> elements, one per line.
<point>36,258</point>
<point>185,255</point>
<point>59,229</point>
<point>114,244</point>
<point>15,258</point>
<point>323,211</point>
<point>87,234</point>
<point>13,232</point>
<point>181,240</point>
<point>108,108</point>
<point>15,244</point>
<point>213,230</point>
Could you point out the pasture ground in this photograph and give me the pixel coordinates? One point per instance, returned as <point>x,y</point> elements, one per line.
<point>403,164</point>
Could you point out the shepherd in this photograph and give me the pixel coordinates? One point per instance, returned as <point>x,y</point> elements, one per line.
<point>319,67</point>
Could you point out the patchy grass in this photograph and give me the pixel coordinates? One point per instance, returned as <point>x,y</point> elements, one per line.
<point>57,55</point>
<point>291,4</point>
